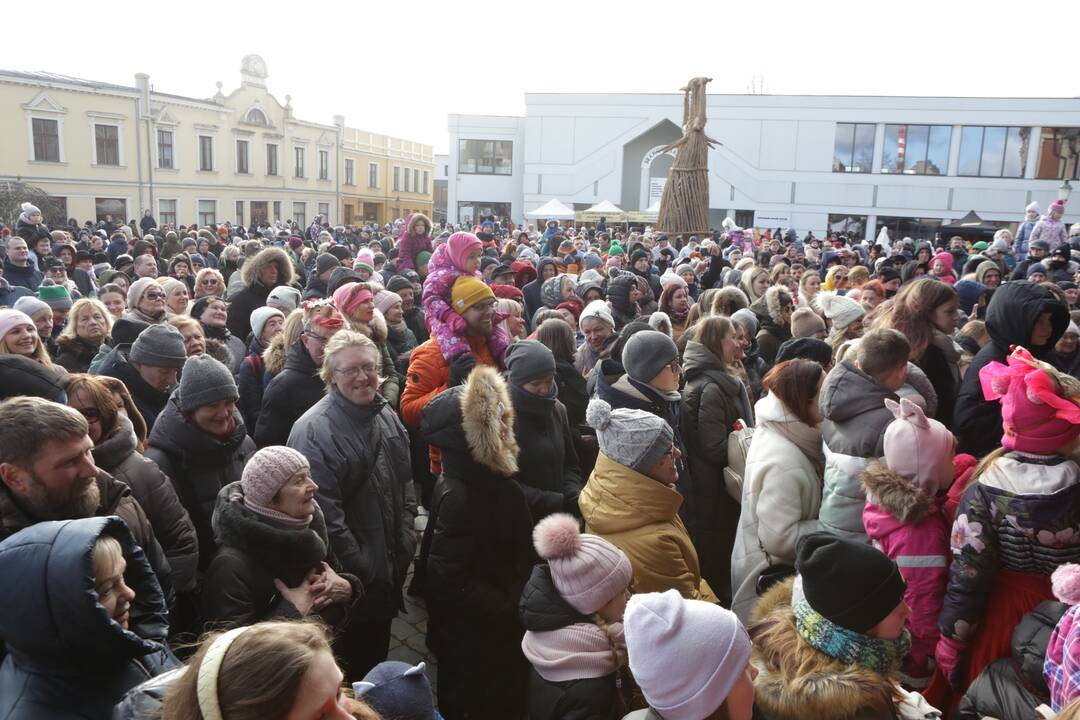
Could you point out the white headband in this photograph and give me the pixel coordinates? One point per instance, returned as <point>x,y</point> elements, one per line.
<point>206,686</point>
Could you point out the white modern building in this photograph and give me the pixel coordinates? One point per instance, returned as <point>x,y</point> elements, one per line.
<point>807,162</point>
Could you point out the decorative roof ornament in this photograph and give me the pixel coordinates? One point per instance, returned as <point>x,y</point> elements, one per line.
<point>253,70</point>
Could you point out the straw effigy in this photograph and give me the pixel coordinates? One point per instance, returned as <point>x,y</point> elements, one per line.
<point>684,206</point>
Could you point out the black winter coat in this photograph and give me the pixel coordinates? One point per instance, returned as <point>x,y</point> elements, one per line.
<point>198,465</point>
<point>10,293</point>
<point>543,609</point>
<point>289,395</point>
<point>572,393</point>
<point>1011,316</point>
<point>251,382</point>
<point>75,355</point>
<point>242,304</point>
<point>27,277</point>
<point>149,401</point>
<point>548,466</point>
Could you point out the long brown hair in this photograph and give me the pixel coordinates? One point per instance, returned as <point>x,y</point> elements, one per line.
<point>119,389</point>
<point>795,383</point>
<point>711,332</point>
<point>99,395</point>
<point>559,338</point>
<point>910,312</point>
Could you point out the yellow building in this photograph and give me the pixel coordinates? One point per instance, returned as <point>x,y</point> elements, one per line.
<point>103,149</point>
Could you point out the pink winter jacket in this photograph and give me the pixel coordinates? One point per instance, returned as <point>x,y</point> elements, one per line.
<point>909,526</point>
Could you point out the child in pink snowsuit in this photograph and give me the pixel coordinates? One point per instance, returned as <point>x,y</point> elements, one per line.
<point>904,519</point>
<point>458,256</point>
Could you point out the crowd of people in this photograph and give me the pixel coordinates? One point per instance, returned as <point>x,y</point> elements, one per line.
<point>734,475</point>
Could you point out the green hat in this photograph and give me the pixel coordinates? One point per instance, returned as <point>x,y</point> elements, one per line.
<point>980,246</point>
<point>422,257</point>
<point>55,296</point>
<point>615,248</point>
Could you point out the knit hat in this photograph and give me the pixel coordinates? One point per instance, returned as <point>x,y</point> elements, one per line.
<point>528,360</point>
<point>1033,207</point>
<point>324,262</point>
<point>350,296</point>
<point>1036,417</point>
<point>199,306</point>
<point>597,309</point>
<point>13,318</point>
<point>587,570</point>
<point>946,260</point>
<point>647,353</point>
<point>1035,268</point>
<point>670,278</point>
<point>137,289</point>
<point>1057,206</point>
<point>286,298</point>
<point>203,381</point>
<point>459,245</point>
<point>384,300</point>
<point>839,309</point>
<point>854,585</point>
<point>397,282</point>
<point>159,346</point>
<point>267,472</point>
<point>634,438</point>
<point>918,448</point>
<point>422,258</point>
<point>686,655</point>
<point>805,348</point>
<point>397,690</point>
<point>468,291</point>
<point>747,319</point>
<point>259,316</point>
<point>615,249</point>
<point>30,305</point>
<point>55,296</point>
<point>806,323</point>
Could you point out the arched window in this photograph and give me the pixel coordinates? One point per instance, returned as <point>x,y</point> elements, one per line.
<point>256,116</point>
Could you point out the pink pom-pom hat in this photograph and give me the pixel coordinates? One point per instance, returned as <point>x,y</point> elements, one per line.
<point>587,570</point>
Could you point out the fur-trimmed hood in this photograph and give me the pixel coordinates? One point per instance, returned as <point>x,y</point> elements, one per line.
<point>796,681</point>
<point>374,328</point>
<point>249,273</point>
<point>275,354</point>
<point>776,297</point>
<point>894,494</point>
<point>728,299</point>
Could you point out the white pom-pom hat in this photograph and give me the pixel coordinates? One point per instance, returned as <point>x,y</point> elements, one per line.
<point>587,570</point>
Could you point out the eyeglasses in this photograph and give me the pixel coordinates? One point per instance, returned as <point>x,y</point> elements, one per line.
<point>485,306</point>
<point>351,373</point>
<point>154,295</point>
<point>208,281</point>
<point>91,414</point>
<point>674,366</point>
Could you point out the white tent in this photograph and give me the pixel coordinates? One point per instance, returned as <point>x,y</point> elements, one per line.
<point>551,210</point>
<point>653,209</point>
<point>605,207</point>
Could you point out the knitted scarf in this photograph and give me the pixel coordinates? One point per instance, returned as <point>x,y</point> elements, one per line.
<point>574,652</point>
<point>882,656</point>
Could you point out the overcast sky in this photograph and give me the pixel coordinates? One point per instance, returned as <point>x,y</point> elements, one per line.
<point>400,67</point>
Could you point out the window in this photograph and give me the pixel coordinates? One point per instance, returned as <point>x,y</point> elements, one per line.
<point>206,154</point>
<point>165,150</point>
<point>324,164</point>
<point>397,179</point>
<point>993,151</point>
<point>207,212</point>
<point>425,182</point>
<point>373,175</point>
<point>299,154</point>
<point>299,210</point>
<point>324,211</point>
<point>913,227</point>
<point>239,212</point>
<point>167,212</point>
<point>242,165</point>
<point>277,210</point>
<point>256,116</point>
<point>415,180</point>
<point>408,180</point>
<point>114,207</point>
<point>1058,149</point>
<point>916,149</point>
<point>853,148</point>
<point>485,157</point>
<point>350,172</point>
<point>46,140</point>
<point>271,159</point>
<point>107,144</point>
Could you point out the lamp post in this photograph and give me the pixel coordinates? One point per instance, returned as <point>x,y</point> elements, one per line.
<point>1064,191</point>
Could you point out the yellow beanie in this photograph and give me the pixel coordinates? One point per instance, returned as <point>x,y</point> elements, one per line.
<point>468,291</point>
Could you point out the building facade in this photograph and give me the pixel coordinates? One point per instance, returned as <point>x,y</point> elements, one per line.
<point>844,163</point>
<point>383,177</point>
<point>110,150</point>
<point>442,176</point>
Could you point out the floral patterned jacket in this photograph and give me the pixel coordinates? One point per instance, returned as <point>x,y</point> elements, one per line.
<point>1021,514</point>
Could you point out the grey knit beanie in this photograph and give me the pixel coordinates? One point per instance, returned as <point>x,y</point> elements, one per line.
<point>528,360</point>
<point>647,353</point>
<point>634,438</point>
<point>159,346</point>
<point>204,381</point>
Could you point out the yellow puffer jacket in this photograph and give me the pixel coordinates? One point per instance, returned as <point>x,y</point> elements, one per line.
<point>641,517</point>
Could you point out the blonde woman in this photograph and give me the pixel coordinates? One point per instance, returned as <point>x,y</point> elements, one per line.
<point>19,336</point>
<point>209,282</point>
<point>88,326</point>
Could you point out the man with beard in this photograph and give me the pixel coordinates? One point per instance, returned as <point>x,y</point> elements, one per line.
<point>48,473</point>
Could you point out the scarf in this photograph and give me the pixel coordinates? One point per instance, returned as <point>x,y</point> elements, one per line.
<point>848,646</point>
<point>679,318</point>
<point>575,652</point>
<point>397,329</point>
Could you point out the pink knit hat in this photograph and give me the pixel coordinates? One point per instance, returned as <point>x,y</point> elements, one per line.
<point>265,474</point>
<point>587,570</point>
<point>384,300</point>
<point>1035,415</point>
<point>918,448</point>
<point>458,247</point>
<point>1058,206</point>
<point>350,296</point>
<point>946,260</point>
<point>11,319</point>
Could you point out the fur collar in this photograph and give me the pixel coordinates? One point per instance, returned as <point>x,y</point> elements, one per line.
<point>249,273</point>
<point>374,328</point>
<point>274,355</point>
<point>488,421</point>
<point>776,298</point>
<point>796,681</point>
<point>896,495</point>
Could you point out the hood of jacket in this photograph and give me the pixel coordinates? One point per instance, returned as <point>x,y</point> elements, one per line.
<point>1013,311</point>
<point>796,681</point>
<point>698,359</point>
<point>48,573</point>
<point>848,391</point>
<point>117,446</point>
<point>174,434</point>
<point>896,500</point>
<point>542,608</point>
<point>253,266</point>
<point>476,419</point>
<point>617,499</point>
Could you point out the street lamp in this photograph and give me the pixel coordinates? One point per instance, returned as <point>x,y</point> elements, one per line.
<point>1064,191</point>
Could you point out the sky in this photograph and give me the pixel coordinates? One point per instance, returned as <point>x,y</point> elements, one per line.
<point>401,67</point>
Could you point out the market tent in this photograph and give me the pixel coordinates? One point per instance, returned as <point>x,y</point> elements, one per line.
<point>605,207</point>
<point>551,210</point>
<point>970,224</point>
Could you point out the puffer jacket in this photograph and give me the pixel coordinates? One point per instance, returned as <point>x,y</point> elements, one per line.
<point>254,292</point>
<point>641,517</point>
<point>199,465</point>
<point>543,610</point>
<point>66,658</point>
<point>1013,311</point>
<point>780,498</point>
<point>28,277</point>
<point>288,396</point>
<point>548,465</point>
<point>1014,687</point>
<point>118,455</point>
<point>911,528</point>
<point>359,458</point>
<point>713,401</point>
